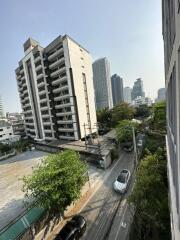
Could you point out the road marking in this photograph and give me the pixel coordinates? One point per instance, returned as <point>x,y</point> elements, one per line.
<point>121,224</point>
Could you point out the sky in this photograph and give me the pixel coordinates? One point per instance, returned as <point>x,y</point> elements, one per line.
<point>128,33</point>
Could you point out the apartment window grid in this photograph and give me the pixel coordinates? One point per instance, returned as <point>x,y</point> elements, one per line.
<point>172,132</point>
<point>178,2</point>
<point>169,27</point>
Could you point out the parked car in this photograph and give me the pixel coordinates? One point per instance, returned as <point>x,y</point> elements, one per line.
<point>73,229</point>
<point>128,148</point>
<point>139,143</point>
<point>122,181</point>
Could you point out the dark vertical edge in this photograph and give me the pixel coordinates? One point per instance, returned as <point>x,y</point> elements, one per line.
<point>75,102</point>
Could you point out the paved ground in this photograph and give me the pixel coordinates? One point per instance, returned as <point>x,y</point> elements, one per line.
<point>102,210</point>
<point>11,170</point>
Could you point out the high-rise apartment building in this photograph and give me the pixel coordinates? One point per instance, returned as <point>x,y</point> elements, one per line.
<point>127,95</point>
<point>102,83</point>
<point>55,84</point>
<point>117,89</point>
<point>138,90</point>
<point>1,108</point>
<point>161,95</point>
<point>171,35</point>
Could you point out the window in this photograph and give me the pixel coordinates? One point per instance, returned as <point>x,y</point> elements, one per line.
<point>10,133</point>
<point>178,6</point>
<point>1,136</point>
<point>1,129</point>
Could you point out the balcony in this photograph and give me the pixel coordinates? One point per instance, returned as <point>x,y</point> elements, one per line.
<point>64,114</point>
<point>57,90</point>
<point>61,97</point>
<point>55,54</point>
<point>47,130</point>
<point>46,123</point>
<point>44,108</point>
<point>41,75</point>
<point>41,84</point>
<point>18,77</point>
<point>66,137</point>
<point>42,92</point>
<point>66,129</point>
<point>38,67</point>
<point>37,59</point>
<point>63,105</point>
<point>65,121</point>
<point>59,71</point>
<point>21,71</point>
<point>56,63</point>
<point>59,80</point>
<point>23,78</point>
<point>43,100</point>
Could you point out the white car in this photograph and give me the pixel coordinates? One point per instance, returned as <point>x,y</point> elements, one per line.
<point>122,181</point>
<point>139,143</point>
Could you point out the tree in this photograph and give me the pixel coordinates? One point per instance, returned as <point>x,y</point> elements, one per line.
<point>122,111</point>
<point>4,148</point>
<point>159,116</point>
<point>104,117</point>
<point>150,198</point>
<point>143,111</point>
<point>124,131</point>
<point>57,181</point>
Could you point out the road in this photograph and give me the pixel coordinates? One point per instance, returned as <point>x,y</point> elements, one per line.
<point>107,210</point>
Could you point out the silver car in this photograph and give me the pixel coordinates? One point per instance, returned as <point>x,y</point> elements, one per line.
<point>122,181</point>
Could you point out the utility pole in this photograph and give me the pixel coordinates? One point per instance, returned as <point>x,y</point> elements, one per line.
<point>135,147</point>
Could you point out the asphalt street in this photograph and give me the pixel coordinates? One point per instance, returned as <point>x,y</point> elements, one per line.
<point>106,211</point>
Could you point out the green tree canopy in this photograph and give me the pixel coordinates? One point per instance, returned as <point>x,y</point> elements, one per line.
<point>124,131</point>
<point>150,197</point>
<point>57,181</point>
<point>122,111</point>
<point>104,117</point>
<point>143,111</point>
<point>159,116</point>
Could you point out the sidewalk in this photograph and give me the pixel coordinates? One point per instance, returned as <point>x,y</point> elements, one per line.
<point>97,177</point>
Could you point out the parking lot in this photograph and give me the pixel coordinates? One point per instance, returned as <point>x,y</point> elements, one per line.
<point>11,172</point>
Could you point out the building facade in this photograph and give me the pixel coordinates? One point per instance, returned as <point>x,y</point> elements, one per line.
<point>6,133</point>
<point>138,90</point>
<point>1,108</point>
<point>127,95</point>
<point>17,122</point>
<point>161,95</point>
<point>102,83</point>
<point>171,36</point>
<point>117,89</point>
<point>55,84</point>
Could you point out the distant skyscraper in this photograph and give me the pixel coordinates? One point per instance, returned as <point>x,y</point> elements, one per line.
<point>102,83</point>
<point>127,95</point>
<point>161,95</point>
<point>1,108</point>
<point>138,89</point>
<point>117,89</point>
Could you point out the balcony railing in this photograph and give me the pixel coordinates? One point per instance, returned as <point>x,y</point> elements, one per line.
<point>56,63</point>
<point>58,71</point>
<point>56,53</point>
<point>59,80</point>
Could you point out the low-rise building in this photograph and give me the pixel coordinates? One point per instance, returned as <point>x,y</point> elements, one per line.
<point>142,100</point>
<point>6,133</point>
<point>17,122</point>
